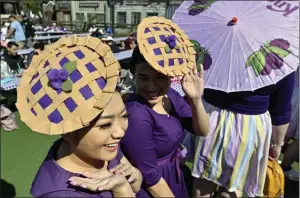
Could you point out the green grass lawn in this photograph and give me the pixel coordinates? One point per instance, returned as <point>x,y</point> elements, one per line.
<point>22,152</point>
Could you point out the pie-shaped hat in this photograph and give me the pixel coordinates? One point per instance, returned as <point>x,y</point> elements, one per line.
<point>67,85</point>
<point>165,46</point>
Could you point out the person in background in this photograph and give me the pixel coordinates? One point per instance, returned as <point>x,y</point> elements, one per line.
<point>17,32</point>
<point>109,30</point>
<point>38,47</point>
<point>113,46</point>
<point>29,30</point>
<point>130,42</point>
<point>93,29</point>
<point>10,55</point>
<point>97,34</point>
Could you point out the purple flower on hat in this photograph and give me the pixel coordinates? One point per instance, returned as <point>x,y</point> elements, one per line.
<point>56,84</point>
<point>171,41</point>
<point>57,77</point>
<point>63,74</point>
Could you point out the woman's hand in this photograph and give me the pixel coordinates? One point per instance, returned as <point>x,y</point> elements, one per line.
<point>274,153</point>
<point>193,84</point>
<point>103,181</point>
<point>133,174</point>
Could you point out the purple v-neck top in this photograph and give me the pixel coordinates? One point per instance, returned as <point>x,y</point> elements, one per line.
<point>52,180</point>
<point>151,137</point>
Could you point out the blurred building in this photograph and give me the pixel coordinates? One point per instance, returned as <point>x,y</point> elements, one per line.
<point>131,12</point>
<point>96,12</point>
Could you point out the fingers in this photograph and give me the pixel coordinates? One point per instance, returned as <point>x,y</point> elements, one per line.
<point>91,184</point>
<point>201,71</point>
<point>195,70</point>
<point>121,168</point>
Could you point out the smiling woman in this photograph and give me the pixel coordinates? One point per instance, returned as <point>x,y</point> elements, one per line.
<point>158,115</point>
<point>64,92</point>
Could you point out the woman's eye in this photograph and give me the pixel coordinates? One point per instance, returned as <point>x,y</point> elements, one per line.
<point>105,126</point>
<point>125,116</point>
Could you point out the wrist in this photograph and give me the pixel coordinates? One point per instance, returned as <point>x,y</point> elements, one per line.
<point>277,145</point>
<point>124,190</point>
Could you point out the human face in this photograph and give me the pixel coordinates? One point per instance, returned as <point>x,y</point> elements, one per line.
<point>11,19</point>
<point>150,84</point>
<point>13,50</point>
<point>100,141</point>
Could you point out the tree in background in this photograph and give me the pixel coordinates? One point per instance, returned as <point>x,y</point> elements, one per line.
<point>31,5</point>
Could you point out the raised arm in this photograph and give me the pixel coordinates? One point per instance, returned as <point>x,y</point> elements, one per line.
<point>139,148</point>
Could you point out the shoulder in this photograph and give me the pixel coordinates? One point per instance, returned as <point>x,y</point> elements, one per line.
<point>50,177</point>
<point>137,110</point>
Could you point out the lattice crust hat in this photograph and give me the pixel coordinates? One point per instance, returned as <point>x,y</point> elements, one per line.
<point>165,46</point>
<point>67,85</point>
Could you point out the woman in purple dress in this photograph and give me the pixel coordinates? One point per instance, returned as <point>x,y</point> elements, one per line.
<point>158,115</point>
<point>67,94</point>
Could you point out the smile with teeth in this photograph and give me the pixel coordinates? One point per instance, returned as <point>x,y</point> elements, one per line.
<point>111,145</point>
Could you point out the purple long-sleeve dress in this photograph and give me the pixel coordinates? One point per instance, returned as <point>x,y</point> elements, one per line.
<point>152,140</point>
<point>52,180</point>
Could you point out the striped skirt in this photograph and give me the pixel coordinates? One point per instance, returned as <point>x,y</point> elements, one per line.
<point>235,153</point>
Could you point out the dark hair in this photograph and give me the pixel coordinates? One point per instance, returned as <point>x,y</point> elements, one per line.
<point>12,43</point>
<point>137,57</point>
<point>40,46</point>
<point>133,34</point>
<point>12,16</point>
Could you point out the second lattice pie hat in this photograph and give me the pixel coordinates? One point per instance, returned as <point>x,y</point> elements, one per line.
<point>67,85</point>
<point>165,46</point>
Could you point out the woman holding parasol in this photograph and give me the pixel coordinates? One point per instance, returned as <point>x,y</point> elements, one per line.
<point>249,55</point>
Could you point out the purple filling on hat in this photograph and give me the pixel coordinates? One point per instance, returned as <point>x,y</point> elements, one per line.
<point>156,28</point>
<point>101,58</point>
<point>34,77</point>
<point>33,111</point>
<point>162,38</point>
<point>79,54</point>
<point>101,82</point>
<point>45,101</point>
<point>178,51</point>
<point>58,91</point>
<point>86,92</point>
<point>157,51</point>
<point>36,87</point>
<point>63,61</point>
<point>171,62</point>
<point>151,40</point>
<point>75,76</point>
<point>180,60</point>
<point>70,104</point>
<point>46,64</point>
<point>90,67</point>
<point>146,30</point>
<point>55,117</point>
<point>58,54</point>
<point>161,63</point>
